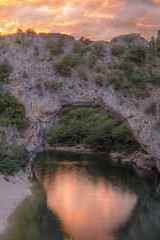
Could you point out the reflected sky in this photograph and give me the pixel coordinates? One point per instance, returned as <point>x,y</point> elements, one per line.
<point>88,209</point>
<point>97,199</point>
<point>90,198</point>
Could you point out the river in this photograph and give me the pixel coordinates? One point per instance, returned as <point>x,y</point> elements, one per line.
<point>85,197</point>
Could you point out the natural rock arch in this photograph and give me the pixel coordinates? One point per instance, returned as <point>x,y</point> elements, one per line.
<point>42,105</point>
<point>142,125</point>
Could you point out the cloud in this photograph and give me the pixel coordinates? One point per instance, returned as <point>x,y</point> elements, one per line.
<point>97,19</point>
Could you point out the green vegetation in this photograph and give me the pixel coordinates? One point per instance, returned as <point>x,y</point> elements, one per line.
<point>135,67</point>
<point>97,49</point>
<point>13,158</point>
<point>129,65</point>
<point>11,111</point>
<point>84,55</point>
<point>33,220</point>
<point>100,67</point>
<point>90,60</point>
<point>132,67</point>
<point>5,71</point>
<point>118,50</point>
<point>19,39</point>
<point>138,76</point>
<point>155,77</point>
<point>136,54</point>
<point>130,72</point>
<point>55,48</point>
<point>116,78</point>
<point>94,127</point>
<point>22,38</point>
<point>65,65</point>
<point>80,48</point>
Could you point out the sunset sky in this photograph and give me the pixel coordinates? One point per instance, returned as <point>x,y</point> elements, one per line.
<point>96,19</point>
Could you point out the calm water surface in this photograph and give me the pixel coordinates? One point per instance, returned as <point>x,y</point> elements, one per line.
<point>86,197</point>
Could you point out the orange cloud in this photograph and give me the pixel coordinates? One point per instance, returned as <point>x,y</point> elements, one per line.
<point>96,19</point>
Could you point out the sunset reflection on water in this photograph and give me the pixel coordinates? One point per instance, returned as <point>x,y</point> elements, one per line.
<point>89,209</point>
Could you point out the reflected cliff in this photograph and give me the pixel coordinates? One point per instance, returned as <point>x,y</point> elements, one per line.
<point>86,197</point>
<point>96,199</point>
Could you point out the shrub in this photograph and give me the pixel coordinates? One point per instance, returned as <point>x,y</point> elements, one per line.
<point>93,54</point>
<point>55,48</point>
<point>13,158</point>
<point>138,76</point>
<point>80,48</point>
<point>127,67</point>
<point>65,65</point>
<point>19,40</point>
<point>100,67</point>
<point>117,78</point>
<point>136,54</point>
<point>100,136</point>
<point>130,76</point>
<point>90,59</point>
<point>155,77</point>
<point>118,50</point>
<point>91,126</point>
<point>23,38</point>
<point>5,71</point>
<point>98,49</point>
<point>31,31</point>
<point>11,111</point>
<point>121,133</point>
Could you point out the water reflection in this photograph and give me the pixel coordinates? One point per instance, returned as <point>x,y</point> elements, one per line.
<point>89,210</point>
<point>96,200</point>
<point>86,197</point>
<point>32,220</point>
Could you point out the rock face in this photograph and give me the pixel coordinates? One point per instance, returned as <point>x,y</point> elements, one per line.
<point>44,90</point>
<point>133,38</point>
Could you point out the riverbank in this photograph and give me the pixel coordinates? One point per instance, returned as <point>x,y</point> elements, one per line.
<point>141,161</point>
<point>13,190</point>
<point>78,148</point>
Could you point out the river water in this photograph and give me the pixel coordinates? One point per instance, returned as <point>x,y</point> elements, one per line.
<point>86,197</point>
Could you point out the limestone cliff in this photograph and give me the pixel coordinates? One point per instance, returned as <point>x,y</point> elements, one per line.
<point>50,71</point>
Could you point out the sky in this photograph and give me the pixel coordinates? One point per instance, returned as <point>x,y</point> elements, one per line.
<point>94,19</point>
